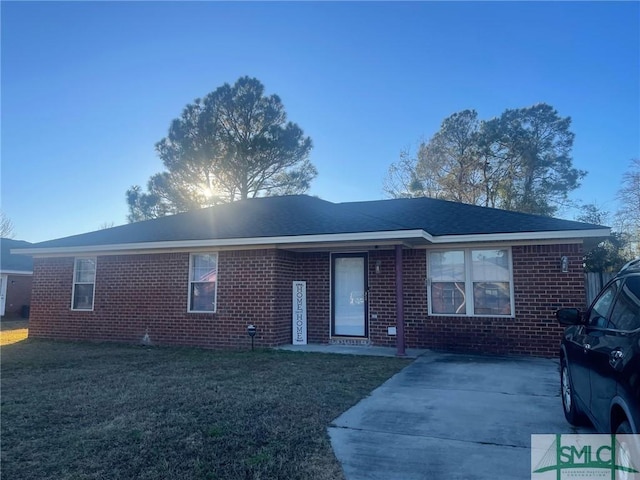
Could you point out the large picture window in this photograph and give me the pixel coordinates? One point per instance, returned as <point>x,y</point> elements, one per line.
<point>470,282</point>
<point>203,281</point>
<point>84,280</point>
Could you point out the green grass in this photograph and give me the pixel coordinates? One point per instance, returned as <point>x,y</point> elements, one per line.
<point>104,411</point>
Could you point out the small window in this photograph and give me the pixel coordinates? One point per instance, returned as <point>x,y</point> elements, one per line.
<point>84,280</point>
<point>203,282</point>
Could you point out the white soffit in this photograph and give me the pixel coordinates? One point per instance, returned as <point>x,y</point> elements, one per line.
<point>388,236</point>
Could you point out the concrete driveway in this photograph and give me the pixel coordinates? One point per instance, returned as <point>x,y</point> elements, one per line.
<point>452,416</point>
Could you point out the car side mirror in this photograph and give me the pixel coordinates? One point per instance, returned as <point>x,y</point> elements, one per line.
<point>569,316</point>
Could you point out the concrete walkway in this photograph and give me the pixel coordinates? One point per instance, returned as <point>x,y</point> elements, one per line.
<point>353,350</point>
<point>449,416</point>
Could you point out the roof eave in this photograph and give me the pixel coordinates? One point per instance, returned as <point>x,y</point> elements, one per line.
<point>400,236</point>
<point>600,233</point>
<point>227,242</point>
<point>15,272</point>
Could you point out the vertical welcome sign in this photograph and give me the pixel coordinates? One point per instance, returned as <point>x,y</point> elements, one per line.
<point>299,313</point>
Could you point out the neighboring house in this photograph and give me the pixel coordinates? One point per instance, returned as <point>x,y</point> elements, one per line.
<point>470,278</point>
<point>15,279</point>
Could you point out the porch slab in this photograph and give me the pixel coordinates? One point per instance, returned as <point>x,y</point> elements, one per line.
<point>370,350</point>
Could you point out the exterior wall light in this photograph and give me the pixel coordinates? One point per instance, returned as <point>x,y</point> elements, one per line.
<point>564,263</point>
<point>378,265</point>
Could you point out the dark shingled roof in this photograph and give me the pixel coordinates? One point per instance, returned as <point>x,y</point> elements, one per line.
<point>441,217</point>
<point>14,262</point>
<point>300,215</point>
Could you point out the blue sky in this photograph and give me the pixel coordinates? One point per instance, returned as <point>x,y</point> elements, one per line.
<point>88,88</point>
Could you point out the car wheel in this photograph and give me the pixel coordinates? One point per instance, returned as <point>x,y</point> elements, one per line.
<point>625,452</point>
<point>572,412</point>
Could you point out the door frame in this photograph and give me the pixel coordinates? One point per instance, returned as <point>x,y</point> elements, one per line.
<point>4,279</point>
<point>365,272</point>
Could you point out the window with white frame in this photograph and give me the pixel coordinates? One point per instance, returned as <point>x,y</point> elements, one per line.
<point>203,282</point>
<point>84,281</point>
<point>470,281</point>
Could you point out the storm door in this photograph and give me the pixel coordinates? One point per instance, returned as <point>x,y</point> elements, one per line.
<point>349,294</point>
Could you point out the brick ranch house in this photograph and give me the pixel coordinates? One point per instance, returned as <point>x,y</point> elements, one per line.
<point>470,278</point>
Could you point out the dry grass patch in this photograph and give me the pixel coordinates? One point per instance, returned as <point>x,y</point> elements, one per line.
<point>13,331</point>
<point>89,411</point>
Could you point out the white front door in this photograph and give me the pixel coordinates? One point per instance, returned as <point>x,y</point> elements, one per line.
<point>349,294</point>
<point>3,293</point>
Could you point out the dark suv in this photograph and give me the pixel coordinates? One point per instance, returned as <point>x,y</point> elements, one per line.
<point>600,357</point>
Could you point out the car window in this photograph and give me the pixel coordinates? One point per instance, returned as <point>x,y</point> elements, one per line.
<point>626,312</point>
<point>601,307</point>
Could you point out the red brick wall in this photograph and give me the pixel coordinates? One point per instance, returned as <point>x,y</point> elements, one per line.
<point>138,294</point>
<point>314,268</point>
<point>51,299</point>
<point>540,288</point>
<point>246,295</point>
<point>382,296</point>
<point>18,295</point>
<point>285,274</point>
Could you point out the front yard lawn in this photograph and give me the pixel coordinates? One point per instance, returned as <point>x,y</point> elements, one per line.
<point>104,411</point>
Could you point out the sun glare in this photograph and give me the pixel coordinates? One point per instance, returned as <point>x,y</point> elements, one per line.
<point>7,337</point>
